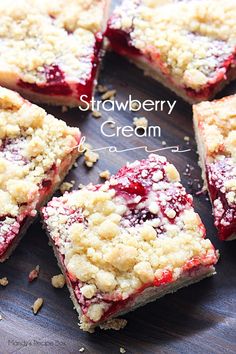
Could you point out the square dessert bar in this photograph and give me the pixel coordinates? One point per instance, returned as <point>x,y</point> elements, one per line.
<point>50,50</point>
<point>215,128</point>
<point>36,152</point>
<point>128,241</point>
<point>189,46</point>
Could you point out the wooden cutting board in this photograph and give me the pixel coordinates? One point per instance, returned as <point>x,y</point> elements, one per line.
<point>198,319</point>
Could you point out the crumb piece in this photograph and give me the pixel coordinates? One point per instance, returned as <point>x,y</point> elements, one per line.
<point>96,114</point>
<point>64,109</point>
<point>122,350</point>
<point>81,185</point>
<point>58,281</point>
<point>90,157</point>
<point>108,95</point>
<point>66,186</point>
<point>141,122</point>
<point>75,165</point>
<point>115,323</point>
<point>34,273</point>
<point>134,106</point>
<point>4,281</point>
<point>163,143</point>
<point>186,138</point>
<point>102,88</point>
<point>37,305</point>
<point>105,174</point>
<point>1,318</point>
<point>81,350</point>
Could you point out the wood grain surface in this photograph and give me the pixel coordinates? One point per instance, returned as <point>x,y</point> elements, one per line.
<point>198,319</point>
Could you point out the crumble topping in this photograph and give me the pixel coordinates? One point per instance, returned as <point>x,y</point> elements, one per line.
<point>32,142</point>
<point>32,148</point>
<point>38,36</point>
<point>189,40</point>
<point>116,237</point>
<point>217,124</point>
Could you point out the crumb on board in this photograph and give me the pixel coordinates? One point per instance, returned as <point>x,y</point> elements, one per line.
<point>1,318</point>
<point>122,350</point>
<point>37,305</point>
<point>81,185</point>
<point>75,164</point>
<point>135,106</point>
<point>102,88</point>
<point>141,122</point>
<point>81,350</point>
<point>66,186</point>
<point>34,273</point>
<point>105,174</point>
<point>58,281</point>
<point>108,95</point>
<point>90,157</point>
<point>186,138</point>
<point>96,114</point>
<point>4,281</point>
<point>163,143</point>
<point>115,323</point>
<point>64,109</point>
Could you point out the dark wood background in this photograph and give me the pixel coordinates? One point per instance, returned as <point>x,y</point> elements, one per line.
<point>198,319</point>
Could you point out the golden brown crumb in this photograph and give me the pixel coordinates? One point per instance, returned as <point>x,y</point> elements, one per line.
<point>66,186</point>
<point>122,350</point>
<point>141,122</point>
<point>108,95</point>
<point>102,89</point>
<point>134,106</point>
<point>90,157</point>
<point>34,273</point>
<point>96,114</point>
<point>58,281</point>
<point>105,174</point>
<point>4,281</point>
<point>37,305</point>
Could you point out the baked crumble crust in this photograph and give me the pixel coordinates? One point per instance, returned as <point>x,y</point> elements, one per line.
<point>50,42</point>
<point>189,40</point>
<point>33,146</point>
<point>116,238</point>
<point>215,125</point>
